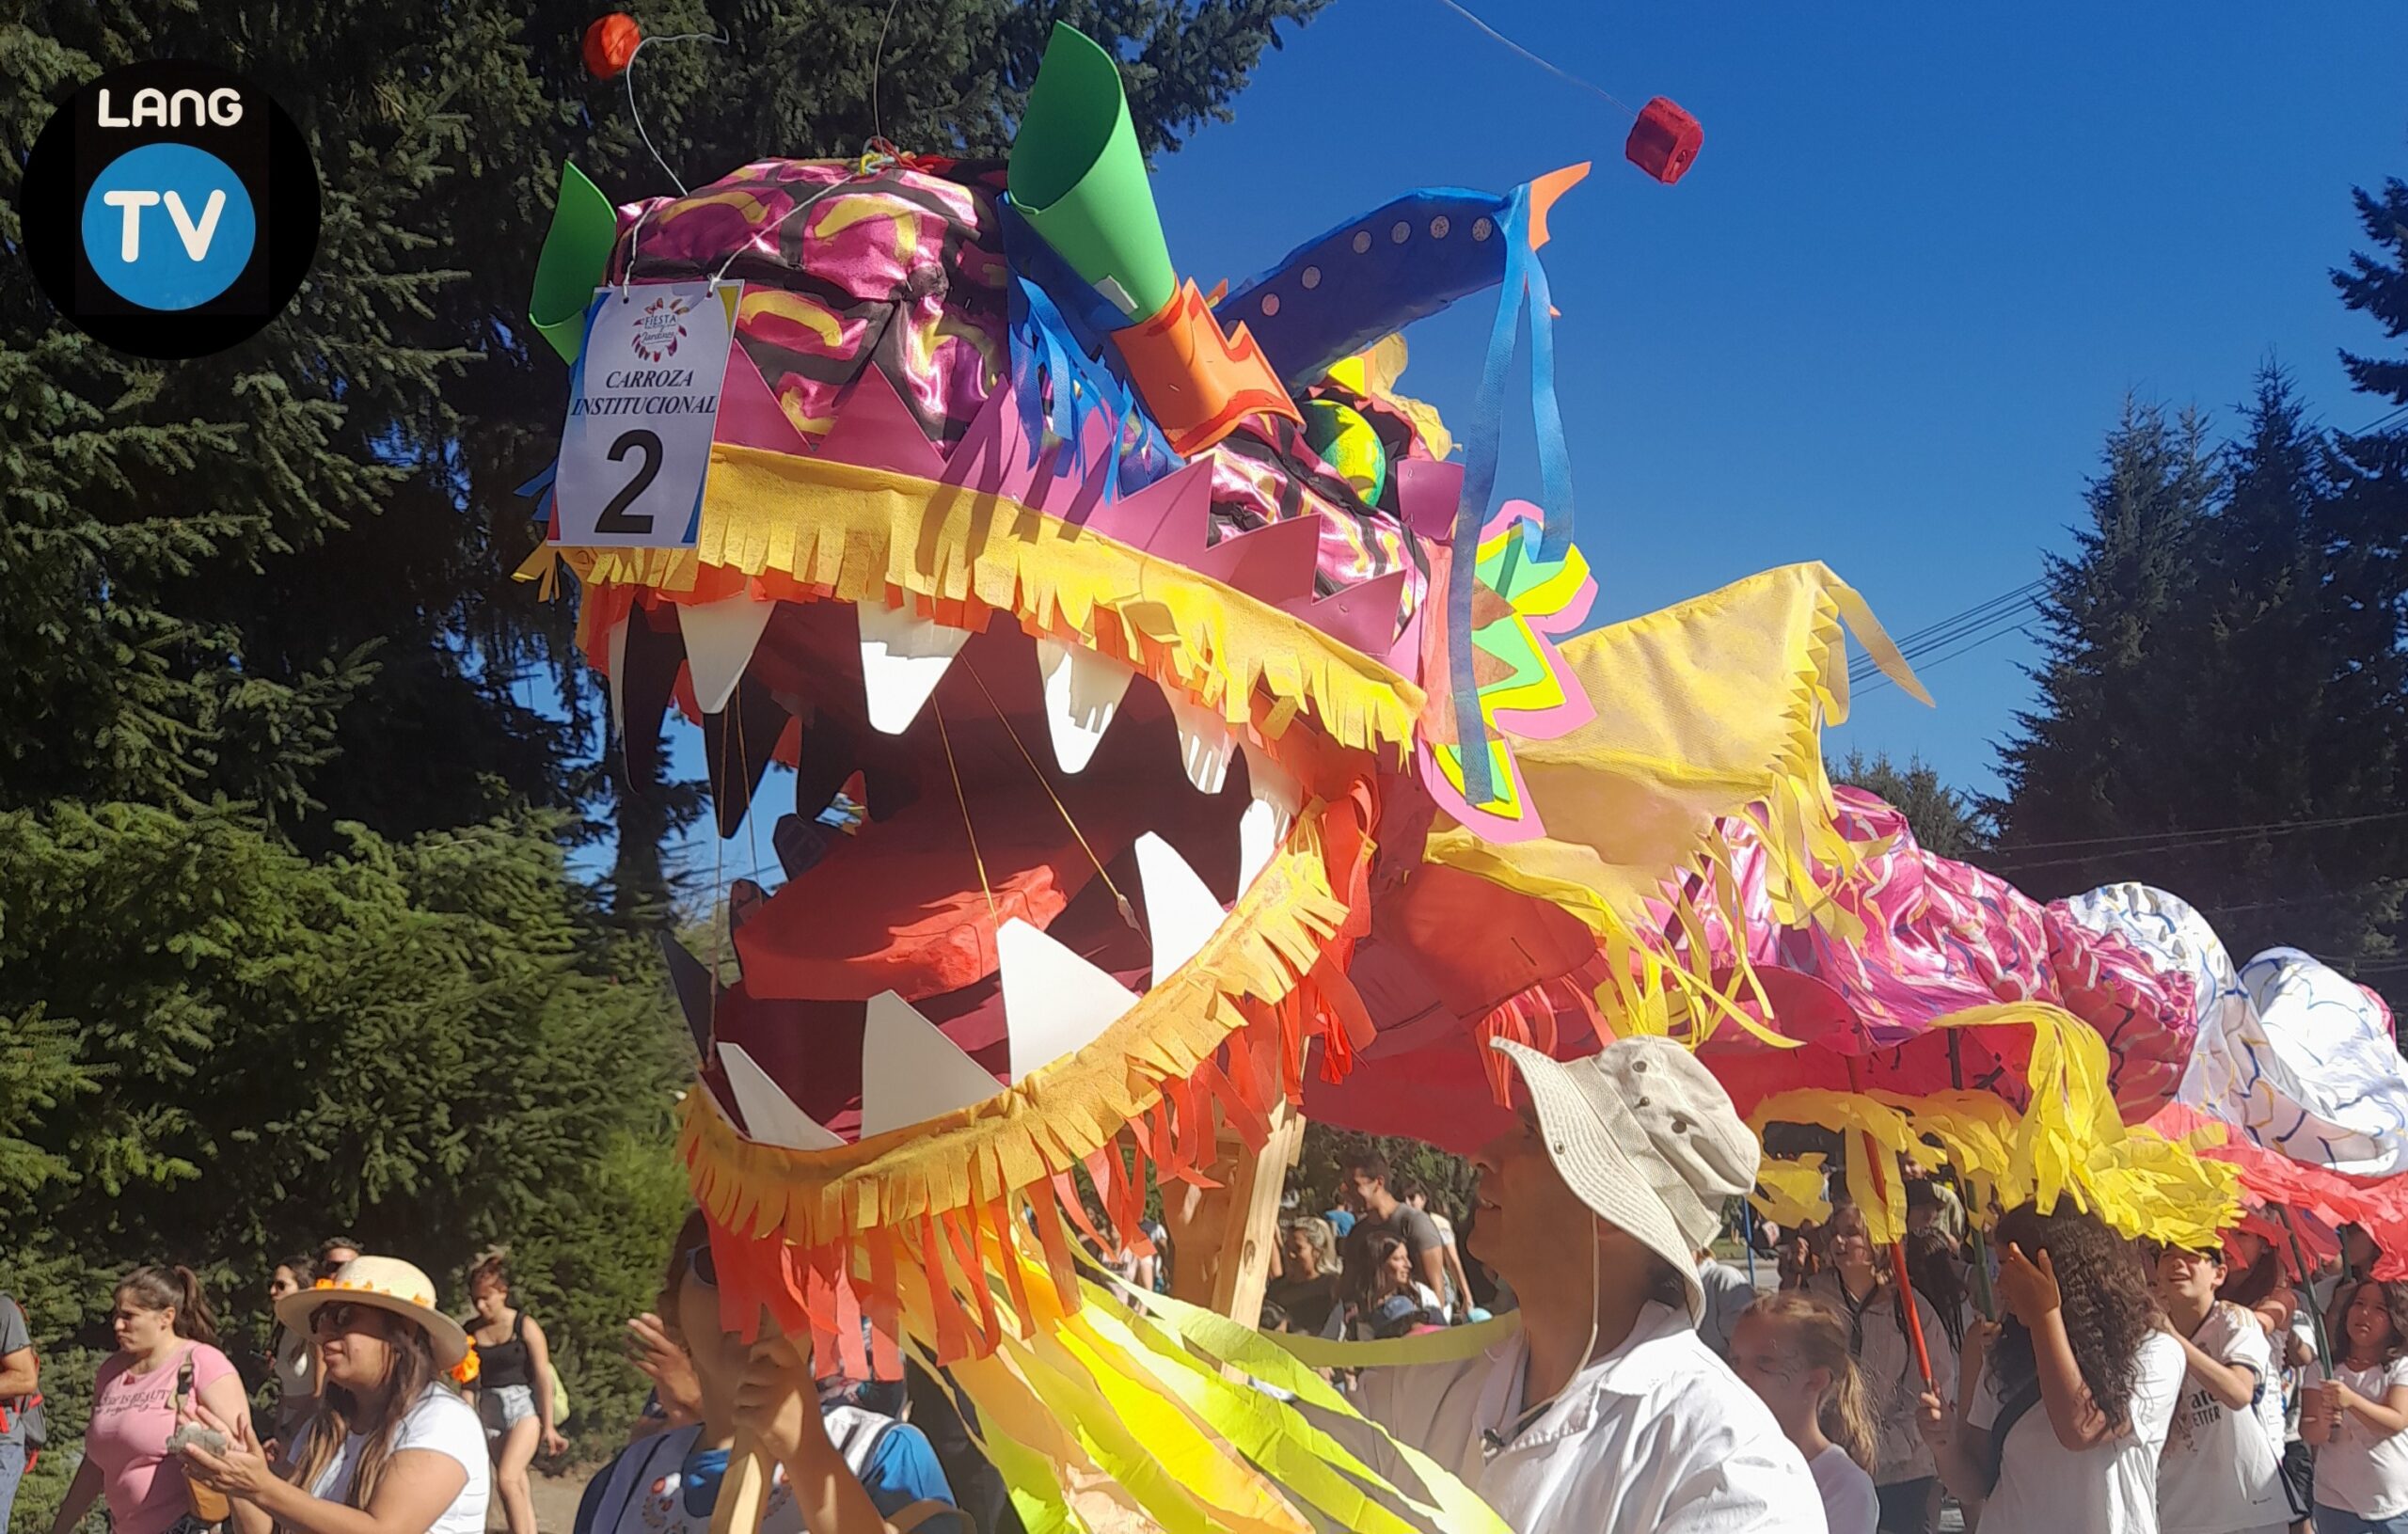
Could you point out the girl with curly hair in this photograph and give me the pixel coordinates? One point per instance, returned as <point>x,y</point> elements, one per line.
<point>2356,1416</point>
<point>2075,1394</point>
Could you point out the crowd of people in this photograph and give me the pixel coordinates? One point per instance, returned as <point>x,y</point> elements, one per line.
<point>2123,1386</point>
<point>1648,1387</point>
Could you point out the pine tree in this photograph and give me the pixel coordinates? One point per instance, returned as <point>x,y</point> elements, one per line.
<point>1945,823</point>
<point>2376,286</point>
<point>2220,714</point>
<point>2115,687</point>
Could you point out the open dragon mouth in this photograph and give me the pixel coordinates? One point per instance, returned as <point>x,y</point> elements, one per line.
<point>1048,835</point>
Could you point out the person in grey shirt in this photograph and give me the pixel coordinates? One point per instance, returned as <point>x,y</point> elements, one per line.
<point>19,1379</point>
<point>1727,1293</point>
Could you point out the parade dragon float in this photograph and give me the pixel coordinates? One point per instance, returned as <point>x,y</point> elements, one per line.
<point>1182,739</point>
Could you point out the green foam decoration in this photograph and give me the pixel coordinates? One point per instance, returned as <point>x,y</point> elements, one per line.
<point>1077,178</point>
<point>576,252</point>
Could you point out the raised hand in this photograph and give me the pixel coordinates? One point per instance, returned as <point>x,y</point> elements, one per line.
<point>669,1368</point>
<point>2029,1288</point>
<point>777,1400</point>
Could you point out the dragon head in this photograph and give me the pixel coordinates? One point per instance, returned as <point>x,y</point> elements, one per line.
<point>1177,731</point>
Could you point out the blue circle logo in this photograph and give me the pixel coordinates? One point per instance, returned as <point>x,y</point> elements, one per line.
<point>169,227</point>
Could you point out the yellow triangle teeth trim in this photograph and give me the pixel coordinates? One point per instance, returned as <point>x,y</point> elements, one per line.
<point>1053,1119</point>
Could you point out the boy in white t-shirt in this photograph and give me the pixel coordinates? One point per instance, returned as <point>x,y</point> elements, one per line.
<point>2221,1471</point>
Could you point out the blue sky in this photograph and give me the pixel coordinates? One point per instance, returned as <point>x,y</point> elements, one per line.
<point>1887,319</point>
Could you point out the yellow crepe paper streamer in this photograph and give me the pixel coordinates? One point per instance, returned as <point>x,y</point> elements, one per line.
<point>870,535</point>
<point>1100,1413</point>
<point>1790,1192</point>
<point>2067,1144</point>
<point>1267,1432</point>
<point>1456,1510</point>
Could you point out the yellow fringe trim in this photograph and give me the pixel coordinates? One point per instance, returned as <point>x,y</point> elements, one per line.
<point>865,535</point>
<point>1054,1118</point>
<point>2069,1142</point>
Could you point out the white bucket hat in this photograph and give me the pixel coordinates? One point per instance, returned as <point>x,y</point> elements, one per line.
<point>1647,1138</point>
<point>385,1284</point>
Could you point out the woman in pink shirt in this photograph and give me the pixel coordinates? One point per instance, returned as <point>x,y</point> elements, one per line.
<point>163,1325</point>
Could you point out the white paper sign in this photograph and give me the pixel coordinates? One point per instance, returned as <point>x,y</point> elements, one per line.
<point>643,401</point>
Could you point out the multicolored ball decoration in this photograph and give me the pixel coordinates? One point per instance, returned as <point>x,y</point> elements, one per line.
<point>1348,444</point>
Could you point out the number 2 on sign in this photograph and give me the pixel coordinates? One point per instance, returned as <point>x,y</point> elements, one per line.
<point>643,410</point>
<point>615,518</point>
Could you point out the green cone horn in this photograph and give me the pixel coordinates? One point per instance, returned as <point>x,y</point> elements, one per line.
<point>575,253</point>
<point>1077,178</point>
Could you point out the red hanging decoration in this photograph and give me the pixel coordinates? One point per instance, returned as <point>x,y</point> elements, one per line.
<point>609,42</point>
<point>1664,141</point>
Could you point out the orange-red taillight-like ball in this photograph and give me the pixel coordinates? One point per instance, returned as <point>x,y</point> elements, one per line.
<point>609,42</point>
<point>1664,141</point>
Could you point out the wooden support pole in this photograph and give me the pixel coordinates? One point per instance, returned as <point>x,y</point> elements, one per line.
<point>1222,1237</point>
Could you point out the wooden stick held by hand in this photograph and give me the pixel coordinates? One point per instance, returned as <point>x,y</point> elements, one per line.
<point>744,1490</point>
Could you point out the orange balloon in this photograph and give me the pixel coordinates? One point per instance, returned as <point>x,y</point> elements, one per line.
<point>609,42</point>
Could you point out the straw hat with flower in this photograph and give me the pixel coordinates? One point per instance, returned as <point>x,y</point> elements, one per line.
<point>387,1284</point>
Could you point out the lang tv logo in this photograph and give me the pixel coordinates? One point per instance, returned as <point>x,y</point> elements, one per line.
<point>170,209</point>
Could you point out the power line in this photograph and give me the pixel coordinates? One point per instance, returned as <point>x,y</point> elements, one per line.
<point>1980,623</point>
<point>1928,631</point>
<point>2185,842</point>
<point>2199,830</point>
<point>1885,680</point>
<point>1983,619</point>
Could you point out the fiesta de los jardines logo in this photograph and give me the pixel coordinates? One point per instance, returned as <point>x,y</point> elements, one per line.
<point>659,328</point>
<point>170,209</point>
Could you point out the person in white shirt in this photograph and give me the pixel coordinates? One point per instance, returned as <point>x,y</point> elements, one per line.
<point>391,1439</point>
<point>2356,1416</point>
<point>2075,1394</point>
<point>2222,1469</point>
<point>1604,1413</point>
<point>1792,1349</point>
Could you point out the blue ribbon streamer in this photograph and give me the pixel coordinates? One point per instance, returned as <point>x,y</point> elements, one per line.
<point>1058,323</point>
<point>1524,279</point>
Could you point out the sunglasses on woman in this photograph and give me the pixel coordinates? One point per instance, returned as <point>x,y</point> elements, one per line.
<point>335,1320</point>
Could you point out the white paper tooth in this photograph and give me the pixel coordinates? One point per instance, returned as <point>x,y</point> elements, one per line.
<point>719,637</point>
<point>903,659</point>
<point>771,1118</point>
<point>1082,690</point>
<point>1054,1001</point>
<point>618,651</point>
<point>1278,797</point>
<point>1180,913</point>
<point>1205,744</point>
<point>911,1071</point>
<point>1270,780</point>
<point>1259,836</point>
